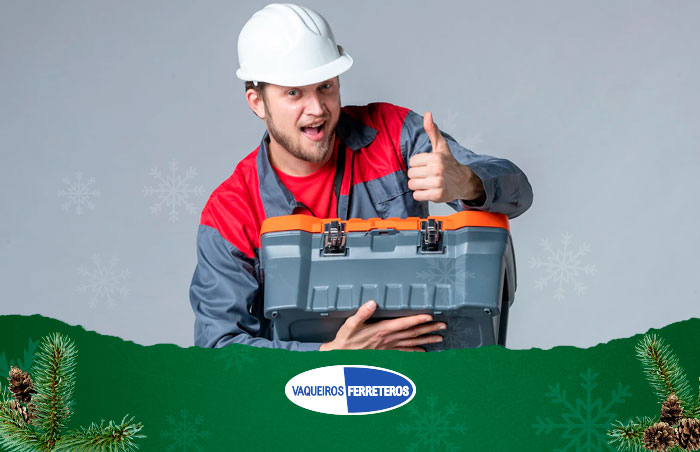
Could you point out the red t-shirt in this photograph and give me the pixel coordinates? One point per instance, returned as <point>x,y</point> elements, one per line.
<point>315,191</point>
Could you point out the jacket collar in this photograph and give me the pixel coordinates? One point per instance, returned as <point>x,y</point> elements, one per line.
<point>354,133</point>
<point>276,198</point>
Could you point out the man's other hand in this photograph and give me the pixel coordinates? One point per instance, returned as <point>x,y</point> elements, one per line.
<point>437,176</point>
<point>405,333</point>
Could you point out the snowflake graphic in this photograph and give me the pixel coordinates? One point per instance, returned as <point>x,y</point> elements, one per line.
<point>78,193</point>
<point>25,363</point>
<point>563,266</point>
<point>103,281</point>
<point>461,332</point>
<point>173,191</point>
<point>585,422</point>
<point>185,432</point>
<point>234,356</point>
<point>432,426</point>
<point>451,125</point>
<point>447,271</point>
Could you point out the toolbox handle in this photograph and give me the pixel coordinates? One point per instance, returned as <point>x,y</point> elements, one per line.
<point>383,231</point>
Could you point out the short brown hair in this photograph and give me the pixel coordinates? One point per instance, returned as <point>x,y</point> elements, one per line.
<point>260,88</point>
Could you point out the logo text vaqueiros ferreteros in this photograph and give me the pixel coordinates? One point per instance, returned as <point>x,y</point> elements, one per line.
<point>350,390</point>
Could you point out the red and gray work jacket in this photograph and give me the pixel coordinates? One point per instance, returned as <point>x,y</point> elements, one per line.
<point>376,143</point>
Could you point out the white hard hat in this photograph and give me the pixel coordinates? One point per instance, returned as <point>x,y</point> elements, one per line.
<point>289,45</point>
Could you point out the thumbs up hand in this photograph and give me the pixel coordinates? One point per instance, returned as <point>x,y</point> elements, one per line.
<point>437,176</point>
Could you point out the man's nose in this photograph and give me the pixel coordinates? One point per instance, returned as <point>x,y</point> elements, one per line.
<point>314,107</point>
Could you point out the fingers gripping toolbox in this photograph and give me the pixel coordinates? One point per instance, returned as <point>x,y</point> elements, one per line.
<point>458,268</point>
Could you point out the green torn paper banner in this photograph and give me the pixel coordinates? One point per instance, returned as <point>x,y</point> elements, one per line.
<point>232,399</point>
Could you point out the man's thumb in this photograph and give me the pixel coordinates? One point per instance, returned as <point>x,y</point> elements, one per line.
<point>432,130</point>
<point>366,311</point>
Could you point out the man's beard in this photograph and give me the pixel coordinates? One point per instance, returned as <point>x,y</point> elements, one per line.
<point>288,143</point>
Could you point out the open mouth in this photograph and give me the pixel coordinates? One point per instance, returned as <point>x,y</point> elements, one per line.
<point>314,133</point>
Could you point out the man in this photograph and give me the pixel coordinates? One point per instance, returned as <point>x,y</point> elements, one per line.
<point>378,160</point>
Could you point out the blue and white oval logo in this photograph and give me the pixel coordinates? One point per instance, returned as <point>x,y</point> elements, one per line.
<point>350,390</point>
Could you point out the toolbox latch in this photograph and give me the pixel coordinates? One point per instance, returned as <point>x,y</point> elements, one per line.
<point>334,238</point>
<point>431,236</point>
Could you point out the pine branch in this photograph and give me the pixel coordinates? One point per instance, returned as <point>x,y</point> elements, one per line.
<point>696,410</point>
<point>54,379</point>
<point>663,371</point>
<point>111,437</point>
<point>629,436</point>
<point>15,434</point>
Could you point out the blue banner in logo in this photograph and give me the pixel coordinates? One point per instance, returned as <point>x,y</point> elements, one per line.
<point>371,389</point>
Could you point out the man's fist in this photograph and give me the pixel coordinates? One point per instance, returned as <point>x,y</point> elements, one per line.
<point>436,176</point>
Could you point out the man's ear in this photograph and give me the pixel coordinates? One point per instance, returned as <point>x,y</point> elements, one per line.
<point>255,101</point>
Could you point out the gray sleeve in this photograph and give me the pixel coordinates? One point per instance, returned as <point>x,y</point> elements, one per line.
<point>507,189</point>
<point>223,291</point>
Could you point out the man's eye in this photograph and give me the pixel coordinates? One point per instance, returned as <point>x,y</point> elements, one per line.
<point>292,92</point>
<point>326,86</point>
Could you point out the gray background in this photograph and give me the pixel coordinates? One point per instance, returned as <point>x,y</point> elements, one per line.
<point>595,101</point>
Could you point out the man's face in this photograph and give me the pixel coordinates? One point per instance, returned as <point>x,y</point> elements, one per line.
<point>291,111</point>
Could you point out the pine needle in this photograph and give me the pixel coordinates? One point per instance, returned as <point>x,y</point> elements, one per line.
<point>696,411</point>
<point>663,371</point>
<point>54,379</point>
<point>15,434</point>
<point>630,436</point>
<point>111,437</point>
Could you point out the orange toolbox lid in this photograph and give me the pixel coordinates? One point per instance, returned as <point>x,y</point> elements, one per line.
<point>452,222</point>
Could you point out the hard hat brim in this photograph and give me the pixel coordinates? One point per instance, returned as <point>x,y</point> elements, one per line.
<point>315,75</point>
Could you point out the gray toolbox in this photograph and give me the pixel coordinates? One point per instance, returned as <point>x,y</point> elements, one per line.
<point>459,268</point>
